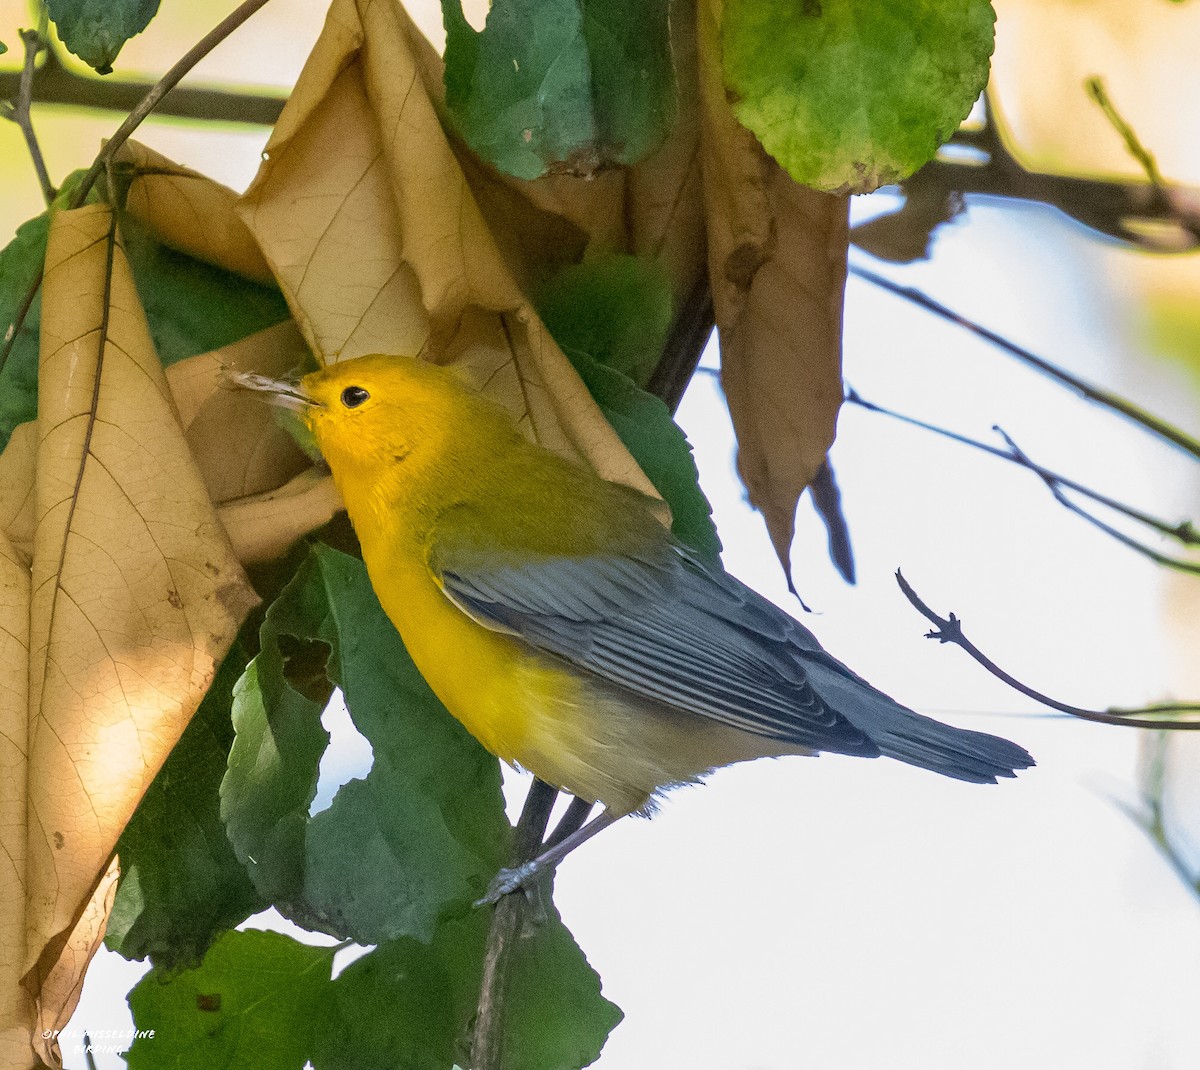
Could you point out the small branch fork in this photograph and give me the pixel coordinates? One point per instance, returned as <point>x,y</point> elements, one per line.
<point>1183,532</point>
<point>1174,715</point>
<point>19,109</point>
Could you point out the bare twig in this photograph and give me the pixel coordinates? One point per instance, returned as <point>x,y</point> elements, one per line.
<point>1095,90</point>
<point>1097,395</point>
<point>147,104</point>
<point>55,83</point>
<point>487,1037</point>
<point>1184,532</point>
<point>1127,540</point>
<point>19,111</point>
<point>949,630</point>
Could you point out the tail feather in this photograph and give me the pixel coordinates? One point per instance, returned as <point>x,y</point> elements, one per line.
<point>910,737</point>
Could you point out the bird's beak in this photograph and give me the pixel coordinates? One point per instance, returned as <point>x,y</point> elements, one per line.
<point>284,393</point>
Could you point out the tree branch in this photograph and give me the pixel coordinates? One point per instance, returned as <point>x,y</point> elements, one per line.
<point>508,918</point>
<point>55,83</point>
<point>949,630</point>
<point>1112,207</point>
<point>18,110</point>
<point>1097,395</point>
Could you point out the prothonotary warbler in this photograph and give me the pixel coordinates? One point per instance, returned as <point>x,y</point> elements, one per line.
<point>557,618</point>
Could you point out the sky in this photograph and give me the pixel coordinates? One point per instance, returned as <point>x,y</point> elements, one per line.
<point>844,913</point>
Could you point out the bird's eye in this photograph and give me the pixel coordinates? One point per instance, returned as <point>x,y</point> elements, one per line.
<point>353,396</point>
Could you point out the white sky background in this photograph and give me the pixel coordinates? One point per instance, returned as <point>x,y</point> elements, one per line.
<point>849,914</point>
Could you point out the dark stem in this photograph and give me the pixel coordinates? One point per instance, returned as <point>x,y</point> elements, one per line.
<point>508,918</point>
<point>949,630</point>
<point>20,113</point>
<point>572,821</point>
<point>685,345</point>
<point>1111,207</point>
<point>1147,421</point>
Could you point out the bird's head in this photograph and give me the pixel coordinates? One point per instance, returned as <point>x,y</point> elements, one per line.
<point>372,413</point>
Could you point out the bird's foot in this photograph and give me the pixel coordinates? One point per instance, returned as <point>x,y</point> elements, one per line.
<point>508,881</point>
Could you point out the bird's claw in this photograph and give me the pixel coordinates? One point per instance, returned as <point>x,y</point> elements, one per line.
<point>518,878</point>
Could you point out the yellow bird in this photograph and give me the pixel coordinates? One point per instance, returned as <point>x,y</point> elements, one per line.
<point>562,624</point>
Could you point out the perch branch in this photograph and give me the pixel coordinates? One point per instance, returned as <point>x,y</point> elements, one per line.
<point>160,89</point>
<point>949,630</point>
<point>508,918</point>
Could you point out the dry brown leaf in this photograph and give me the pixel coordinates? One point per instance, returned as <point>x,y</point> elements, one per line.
<point>190,212</point>
<point>17,1010</point>
<point>777,261</point>
<point>373,232</point>
<point>132,597</point>
<point>61,988</point>
<point>235,440</point>
<point>261,527</point>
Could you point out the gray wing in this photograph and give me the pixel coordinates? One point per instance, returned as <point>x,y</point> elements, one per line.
<point>671,628</point>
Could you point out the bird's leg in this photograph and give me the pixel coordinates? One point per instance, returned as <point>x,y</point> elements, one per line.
<point>573,820</point>
<point>509,880</point>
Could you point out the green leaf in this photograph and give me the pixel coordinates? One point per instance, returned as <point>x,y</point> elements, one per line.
<point>96,30</point>
<point>20,262</point>
<point>410,1005</point>
<point>849,95</point>
<point>560,85</point>
<point>259,1001</point>
<point>181,884</point>
<point>644,424</point>
<point>615,309</point>
<point>3,48</point>
<point>193,307</point>
<point>422,833</point>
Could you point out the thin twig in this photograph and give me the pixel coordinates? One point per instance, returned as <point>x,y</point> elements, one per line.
<point>148,103</point>
<point>1185,531</point>
<point>1126,540</point>
<point>160,89</point>
<point>487,1036</point>
<point>19,110</point>
<point>1095,90</point>
<point>949,630</point>
<point>1147,421</point>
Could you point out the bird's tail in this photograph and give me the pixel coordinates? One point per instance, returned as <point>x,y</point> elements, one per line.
<point>900,733</point>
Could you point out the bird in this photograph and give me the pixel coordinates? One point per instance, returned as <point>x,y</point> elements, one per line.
<point>554,614</point>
